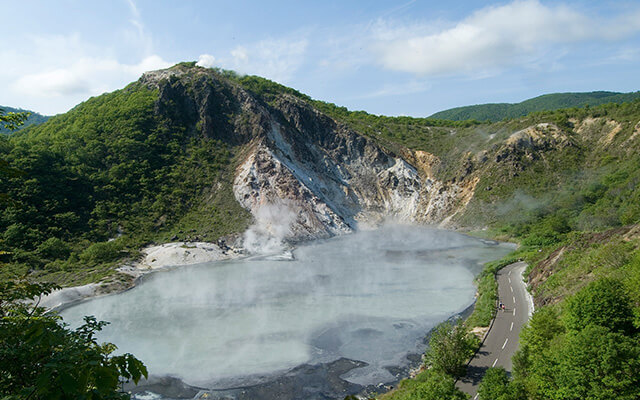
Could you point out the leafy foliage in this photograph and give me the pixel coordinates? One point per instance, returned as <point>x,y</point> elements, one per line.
<point>41,358</point>
<point>604,303</point>
<point>450,347</point>
<point>496,385</point>
<point>428,385</point>
<point>12,119</point>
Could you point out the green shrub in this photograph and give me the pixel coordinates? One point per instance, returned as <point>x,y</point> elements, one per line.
<point>54,248</point>
<point>40,358</point>
<point>450,347</point>
<point>102,252</point>
<point>496,385</point>
<point>428,385</point>
<point>603,302</point>
<point>593,363</point>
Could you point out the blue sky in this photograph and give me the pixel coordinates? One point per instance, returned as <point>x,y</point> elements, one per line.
<point>384,57</point>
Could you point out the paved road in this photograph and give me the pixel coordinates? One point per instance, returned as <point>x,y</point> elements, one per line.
<point>502,340</point>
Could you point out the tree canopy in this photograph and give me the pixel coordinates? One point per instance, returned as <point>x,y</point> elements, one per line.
<point>450,347</point>
<point>41,358</point>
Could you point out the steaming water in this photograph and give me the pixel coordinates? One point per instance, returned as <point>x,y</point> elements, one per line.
<point>370,296</point>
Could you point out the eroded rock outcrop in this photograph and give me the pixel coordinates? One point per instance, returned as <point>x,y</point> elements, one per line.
<point>301,174</point>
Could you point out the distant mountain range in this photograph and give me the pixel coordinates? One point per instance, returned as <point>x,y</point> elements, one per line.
<point>498,111</point>
<point>34,119</point>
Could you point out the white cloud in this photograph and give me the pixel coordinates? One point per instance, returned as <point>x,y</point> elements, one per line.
<point>52,73</point>
<point>399,89</point>
<point>206,61</point>
<point>492,37</point>
<point>276,59</point>
<point>84,77</point>
<point>59,82</point>
<point>138,36</point>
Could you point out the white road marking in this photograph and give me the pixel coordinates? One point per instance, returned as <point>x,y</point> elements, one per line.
<point>494,363</point>
<point>514,311</point>
<point>511,287</point>
<point>505,343</point>
<point>509,273</point>
<point>509,280</point>
<point>475,398</point>
<point>511,326</point>
<point>514,299</point>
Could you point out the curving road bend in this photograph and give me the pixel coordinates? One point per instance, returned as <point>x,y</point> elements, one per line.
<point>502,340</point>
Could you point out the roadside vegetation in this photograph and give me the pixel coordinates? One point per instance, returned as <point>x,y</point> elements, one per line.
<point>588,346</point>
<point>485,307</point>
<point>451,345</point>
<point>41,358</point>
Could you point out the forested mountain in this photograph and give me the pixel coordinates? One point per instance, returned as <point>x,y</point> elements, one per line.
<point>547,102</point>
<point>33,119</point>
<point>192,153</point>
<point>147,162</point>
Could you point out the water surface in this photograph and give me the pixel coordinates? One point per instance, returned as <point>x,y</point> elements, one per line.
<point>370,296</point>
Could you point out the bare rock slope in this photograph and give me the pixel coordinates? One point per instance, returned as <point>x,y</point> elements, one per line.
<point>302,169</point>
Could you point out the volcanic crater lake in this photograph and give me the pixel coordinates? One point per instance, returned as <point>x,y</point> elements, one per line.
<point>370,296</point>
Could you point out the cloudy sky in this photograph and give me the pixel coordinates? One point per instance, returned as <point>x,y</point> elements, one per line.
<point>385,57</point>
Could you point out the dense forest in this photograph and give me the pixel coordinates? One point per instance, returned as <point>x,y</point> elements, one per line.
<point>109,169</point>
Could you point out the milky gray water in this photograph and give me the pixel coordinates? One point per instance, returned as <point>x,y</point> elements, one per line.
<point>371,296</point>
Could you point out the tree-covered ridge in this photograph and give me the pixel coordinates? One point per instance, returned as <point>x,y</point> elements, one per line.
<point>393,131</point>
<point>112,168</point>
<point>547,102</point>
<point>34,118</point>
<point>40,358</point>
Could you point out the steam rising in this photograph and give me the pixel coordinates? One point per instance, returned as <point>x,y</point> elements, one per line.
<point>272,225</point>
<point>370,296</point>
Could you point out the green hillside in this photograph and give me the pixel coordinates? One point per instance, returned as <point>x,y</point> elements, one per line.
<point>111,168</point>
<point>548,102</point>
<point>33,119</point>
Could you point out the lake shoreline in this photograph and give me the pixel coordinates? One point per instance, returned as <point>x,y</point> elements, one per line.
<point>164,257</point>
<point>154,258</point>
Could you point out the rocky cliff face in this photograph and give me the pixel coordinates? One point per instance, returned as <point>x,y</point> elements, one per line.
<point>302,174</point>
